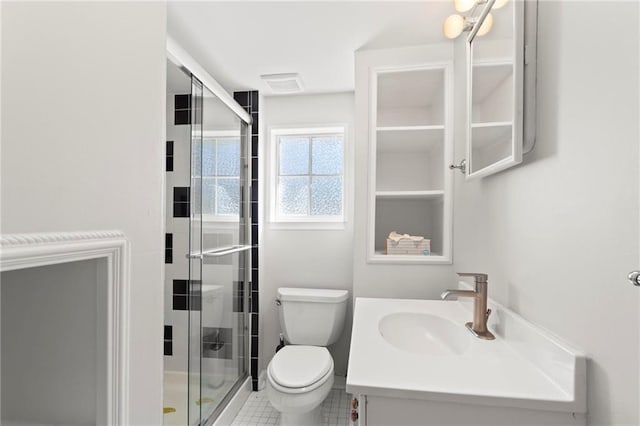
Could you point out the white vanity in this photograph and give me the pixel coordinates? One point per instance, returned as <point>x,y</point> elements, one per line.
<point>414,362</point>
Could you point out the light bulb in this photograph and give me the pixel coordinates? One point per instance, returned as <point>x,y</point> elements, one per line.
<point>453,26</point>
<point>463,5</point>
<point>498,4</point>
<point>486,25</point>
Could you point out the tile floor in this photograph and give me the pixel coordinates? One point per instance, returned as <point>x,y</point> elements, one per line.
<point>257,411</point>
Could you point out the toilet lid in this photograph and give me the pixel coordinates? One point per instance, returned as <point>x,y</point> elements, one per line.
<point>297,366</point>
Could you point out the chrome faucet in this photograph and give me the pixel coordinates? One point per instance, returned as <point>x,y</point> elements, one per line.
<point>480,312</point>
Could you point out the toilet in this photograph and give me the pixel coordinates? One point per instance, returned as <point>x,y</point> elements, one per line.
<point>300,375</point>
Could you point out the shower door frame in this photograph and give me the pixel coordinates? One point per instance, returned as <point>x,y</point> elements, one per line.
<point>184,61</point>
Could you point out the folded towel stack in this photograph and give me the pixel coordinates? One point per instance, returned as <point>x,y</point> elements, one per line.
<point>405,244</point>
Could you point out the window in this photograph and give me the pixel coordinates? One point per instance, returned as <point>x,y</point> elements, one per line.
<point>309,175</point>
<point>221,176</point>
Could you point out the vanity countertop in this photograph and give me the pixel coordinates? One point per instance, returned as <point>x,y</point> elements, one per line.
<point>524,367</point>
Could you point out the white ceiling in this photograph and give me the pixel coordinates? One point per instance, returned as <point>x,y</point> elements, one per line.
<point>238,41</point>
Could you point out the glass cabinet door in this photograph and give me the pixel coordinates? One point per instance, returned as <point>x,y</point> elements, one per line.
<point>495,92</point>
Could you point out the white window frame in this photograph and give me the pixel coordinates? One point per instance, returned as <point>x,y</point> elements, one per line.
<point>305,221</point>
<point>217,135</point>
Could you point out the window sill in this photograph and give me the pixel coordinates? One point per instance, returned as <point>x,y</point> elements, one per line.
<point>308,226</point>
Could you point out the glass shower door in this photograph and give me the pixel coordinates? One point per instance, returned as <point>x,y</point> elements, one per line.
<point>220,238</point>
<point>195,258</point>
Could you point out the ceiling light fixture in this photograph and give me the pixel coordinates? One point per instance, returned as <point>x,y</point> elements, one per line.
<point>464,5</point>
<point>456,24</point>
<point>498,4</point>
<point>486,26</point>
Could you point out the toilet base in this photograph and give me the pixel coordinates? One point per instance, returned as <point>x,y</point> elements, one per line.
<point>311,418</point>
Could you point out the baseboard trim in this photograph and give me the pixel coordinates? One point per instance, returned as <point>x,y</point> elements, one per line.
<point>339,382</point>
<point>262,379</point>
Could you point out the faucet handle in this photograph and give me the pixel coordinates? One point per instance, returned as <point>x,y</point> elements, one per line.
<point>479,277</point>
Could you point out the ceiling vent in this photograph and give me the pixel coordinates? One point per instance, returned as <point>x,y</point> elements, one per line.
<point>283,84</point>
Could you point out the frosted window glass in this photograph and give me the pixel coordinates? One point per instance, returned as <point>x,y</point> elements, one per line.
<point>228,157</point>
<point>327,155</point>
<point>208,196</point>
<point>293,195</point>
<point>194,194</point>
<point>196,157</point>
<point>326,195</point>
<point>228,196</point>
<point>208,158</point>
<point>294,155</point>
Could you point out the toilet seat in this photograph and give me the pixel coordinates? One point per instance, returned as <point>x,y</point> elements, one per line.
<point>300,368</point>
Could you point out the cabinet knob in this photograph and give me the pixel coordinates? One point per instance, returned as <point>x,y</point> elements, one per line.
<point>354,403</point>
<point>462,166</point>
<point>354,415</point>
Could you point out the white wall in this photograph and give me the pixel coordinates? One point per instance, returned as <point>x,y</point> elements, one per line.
<point>558,235</point>
<point>305,258</point>
<point>83,146</point>
<point>384,280</point>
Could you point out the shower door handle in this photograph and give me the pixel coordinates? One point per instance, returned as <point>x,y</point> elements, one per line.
<point>219,252</point>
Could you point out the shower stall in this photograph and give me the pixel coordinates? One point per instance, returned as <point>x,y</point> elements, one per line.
<point>207,248</point>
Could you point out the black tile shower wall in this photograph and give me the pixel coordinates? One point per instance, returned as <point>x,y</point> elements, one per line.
<point>242,98</point>
<point>181,203</point>
<point>169,160</point>
<point>195,301</point>
<point>168,248</point>
<point>168,340</point>
<point>238,296</point>
<point>178,177</point>
<point>250,102</point>
<point>182,110</point>
<point>183,299</point>
<point>180,295</point>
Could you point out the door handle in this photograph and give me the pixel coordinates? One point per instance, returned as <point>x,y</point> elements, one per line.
<point>634,278</point>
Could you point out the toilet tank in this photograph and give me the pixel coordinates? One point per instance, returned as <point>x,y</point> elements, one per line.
<point>212,307</point>
<point>311,316</point>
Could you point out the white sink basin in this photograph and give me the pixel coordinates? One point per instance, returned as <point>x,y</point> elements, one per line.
<point>424,334</point>
<point>421,350</point>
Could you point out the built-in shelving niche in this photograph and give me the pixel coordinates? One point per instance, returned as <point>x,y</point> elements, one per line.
<point>410,146</point>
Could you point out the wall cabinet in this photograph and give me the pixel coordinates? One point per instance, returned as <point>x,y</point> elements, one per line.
<point>409,146</point>
<point>501,90</point>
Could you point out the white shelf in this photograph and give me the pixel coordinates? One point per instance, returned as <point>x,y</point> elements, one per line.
<point>434,258</point>
<point>410,195</point>
<point>409,128</point>
<point>409,138</point>
<point>492,124</point>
